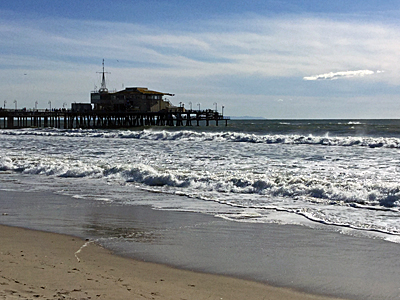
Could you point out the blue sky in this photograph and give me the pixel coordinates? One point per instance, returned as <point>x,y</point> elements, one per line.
<point>272,59</point>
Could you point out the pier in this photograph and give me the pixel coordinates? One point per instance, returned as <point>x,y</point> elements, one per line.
<point>128,108</point>
<point>69,119</point>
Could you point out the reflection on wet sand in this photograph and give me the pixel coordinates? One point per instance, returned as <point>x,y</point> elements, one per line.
<point>140,235</point>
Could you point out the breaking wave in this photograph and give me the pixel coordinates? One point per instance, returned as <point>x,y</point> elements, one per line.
<point>187,135</point>
<point>307,188</point>
<point>341,185</point>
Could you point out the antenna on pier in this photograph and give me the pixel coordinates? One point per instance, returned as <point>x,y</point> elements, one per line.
<point>103,88</point>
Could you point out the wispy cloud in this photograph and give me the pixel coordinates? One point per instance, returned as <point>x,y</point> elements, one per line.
<point>337,75</point>
<point>276,47</point>
<point>254,55</point>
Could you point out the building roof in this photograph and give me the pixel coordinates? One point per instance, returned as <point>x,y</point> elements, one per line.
<point>143,90</point>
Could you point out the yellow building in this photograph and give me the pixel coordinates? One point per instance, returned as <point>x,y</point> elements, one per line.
<point>131,99</point>
<point>138,99</point>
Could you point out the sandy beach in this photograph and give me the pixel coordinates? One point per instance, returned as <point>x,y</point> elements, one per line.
<point>42,265</point>
<point>105,250</point>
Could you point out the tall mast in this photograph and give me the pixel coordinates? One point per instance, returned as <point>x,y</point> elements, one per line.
<point>103,88</point>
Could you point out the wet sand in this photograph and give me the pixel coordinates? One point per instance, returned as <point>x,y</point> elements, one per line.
<point>42,265</point>
<point>316,262</point>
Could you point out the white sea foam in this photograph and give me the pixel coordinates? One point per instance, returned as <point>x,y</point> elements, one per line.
<point>5,163</point>
<point>351,184</point>
<point>186,135</point>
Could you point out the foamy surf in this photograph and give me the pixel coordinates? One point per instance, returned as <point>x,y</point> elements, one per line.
<point>341,180</point>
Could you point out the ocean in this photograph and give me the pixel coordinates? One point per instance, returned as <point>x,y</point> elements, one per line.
<point>322,176</point>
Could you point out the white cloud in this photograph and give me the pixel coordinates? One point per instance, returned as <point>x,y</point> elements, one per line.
<point>214,58</point>
<point>268,47</point>
<point>337,75</point>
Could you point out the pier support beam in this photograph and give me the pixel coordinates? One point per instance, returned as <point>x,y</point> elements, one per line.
<point>10,122</point>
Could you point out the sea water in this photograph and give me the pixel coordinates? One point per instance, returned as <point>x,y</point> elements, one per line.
<point>272,193</point>
<point>340,173</point>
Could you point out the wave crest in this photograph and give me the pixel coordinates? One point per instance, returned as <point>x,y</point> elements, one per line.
<point>228,136</point>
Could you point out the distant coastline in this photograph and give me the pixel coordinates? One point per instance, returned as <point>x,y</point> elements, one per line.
<point>246,118</point>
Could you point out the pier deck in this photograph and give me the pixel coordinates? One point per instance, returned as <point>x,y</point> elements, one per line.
<point>68,119</point>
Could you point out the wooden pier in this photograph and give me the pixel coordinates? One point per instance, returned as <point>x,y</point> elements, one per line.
<point>68,119</point>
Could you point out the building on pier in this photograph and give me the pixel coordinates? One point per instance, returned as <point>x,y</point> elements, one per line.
<point>138,99</point>
<point>81,107</point>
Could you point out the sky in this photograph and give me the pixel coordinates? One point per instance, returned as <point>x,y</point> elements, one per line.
<point>287,59</point>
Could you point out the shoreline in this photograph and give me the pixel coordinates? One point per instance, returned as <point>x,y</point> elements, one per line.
<point>38,264</point>
<point>310,261</point>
